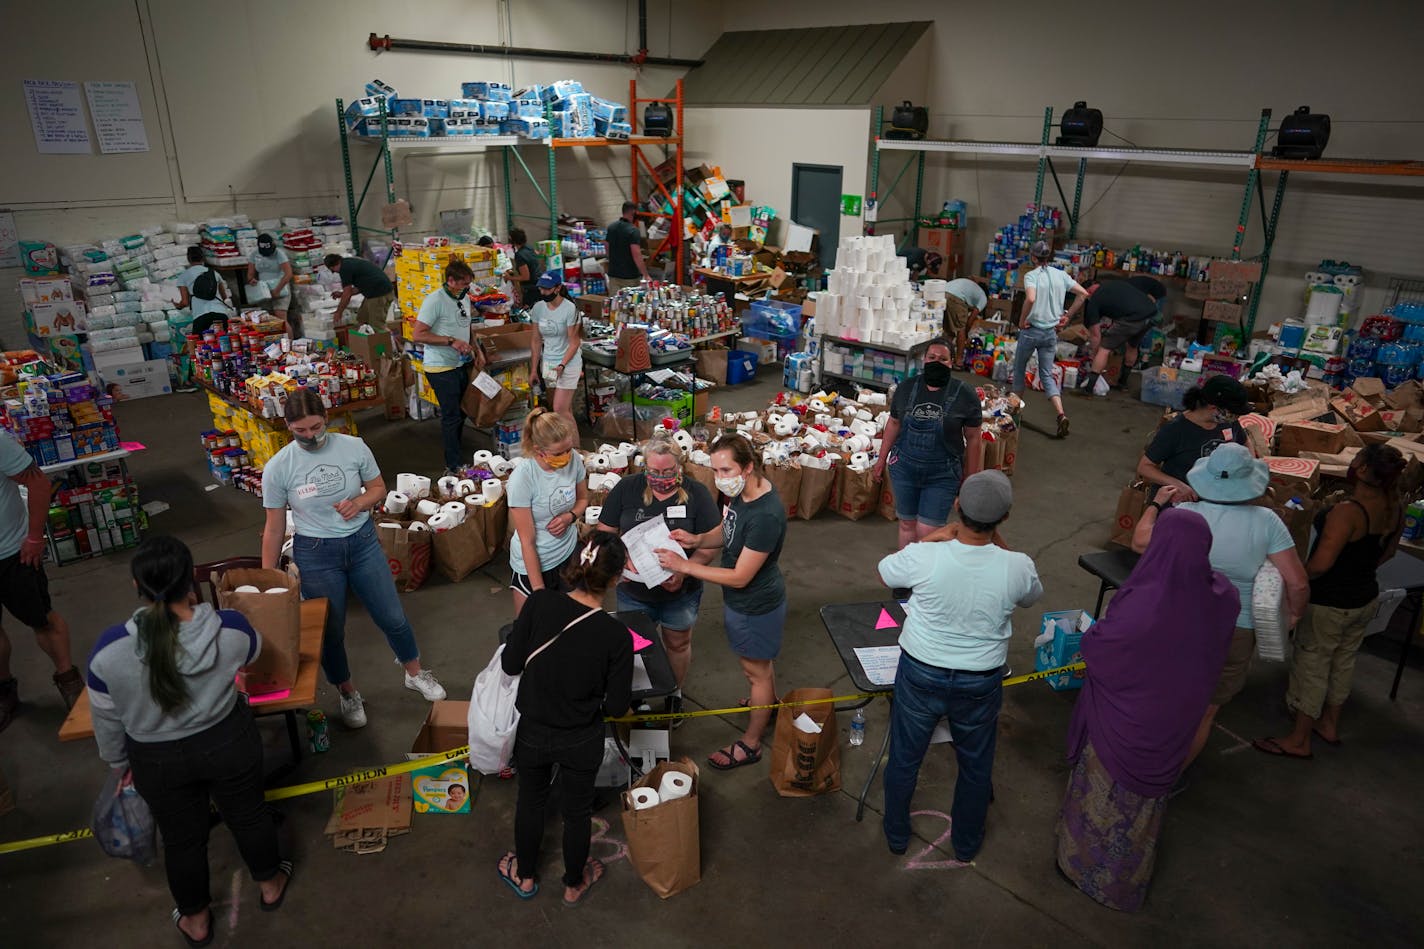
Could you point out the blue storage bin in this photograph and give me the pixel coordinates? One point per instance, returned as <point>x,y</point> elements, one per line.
<point>741,366</point>
<point>772,319</point>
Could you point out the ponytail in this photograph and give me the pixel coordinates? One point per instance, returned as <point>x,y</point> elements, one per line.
<point>598,564</point>
<point>162,570</point>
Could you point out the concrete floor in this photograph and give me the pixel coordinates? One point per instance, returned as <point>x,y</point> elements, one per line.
<point>1258,851</point>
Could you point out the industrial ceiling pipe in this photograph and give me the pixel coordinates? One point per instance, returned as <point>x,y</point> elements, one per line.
<point>389,44</point>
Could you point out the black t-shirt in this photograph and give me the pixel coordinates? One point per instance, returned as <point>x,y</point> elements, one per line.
<point>956,406</point>
<point>760,525</point>
<point>586,674</point>
<point>526,256</point>
<point>1119,301</point>
<point>1179,443</point>
<point>623,236</point>
<point>368,279</point>
<point>624,509</point>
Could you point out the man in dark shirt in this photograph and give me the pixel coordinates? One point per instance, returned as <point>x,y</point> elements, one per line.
<point>1128,308</point>
<point>524,274</point>
<point>625,251</point>
<point>359,275</point>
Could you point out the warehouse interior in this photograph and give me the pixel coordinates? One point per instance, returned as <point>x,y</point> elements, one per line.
<point>243,110</point>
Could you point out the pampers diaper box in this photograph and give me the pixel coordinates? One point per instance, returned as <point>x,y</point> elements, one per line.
<point>444,786</point>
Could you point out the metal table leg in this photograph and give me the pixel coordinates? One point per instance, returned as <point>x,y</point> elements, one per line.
<point>874,767</point>
<point>1102,592</point>
<point>293,734</point>
<point>1410,632</point>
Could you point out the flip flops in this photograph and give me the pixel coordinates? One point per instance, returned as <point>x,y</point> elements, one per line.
<point>1332,742</point>
<point>1272,747</point>
<point>285,868</point>
<point>505,869</point>
<point>207,940</point>
<point>593,871</point>
<point>753,755</point>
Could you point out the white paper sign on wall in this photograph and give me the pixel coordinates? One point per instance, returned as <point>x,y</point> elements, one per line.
<point>118,117</point>
<point>57,117</point>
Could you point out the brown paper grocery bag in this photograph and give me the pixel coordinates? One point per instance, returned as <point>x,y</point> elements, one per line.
<point>804,765</point>
<point>886,508</point>
<point>702,475</point>
<point>664,842</point>
<point>461,550</point>
<point>817,485</point>
<point>493,521</point>
<point>390,379</point>
<point>856,494</point>
<point>632,353</point>
<point>786,479</point>
<point>483,410</point>
<point>1130,505</point>
<point>277,617</point>
<point>408,553</point>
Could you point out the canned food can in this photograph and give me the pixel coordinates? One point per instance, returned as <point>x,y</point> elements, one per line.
<point>317,731</point>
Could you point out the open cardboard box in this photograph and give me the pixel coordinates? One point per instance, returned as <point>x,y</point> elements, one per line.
<point>444,787</point>
<point>505,341</point>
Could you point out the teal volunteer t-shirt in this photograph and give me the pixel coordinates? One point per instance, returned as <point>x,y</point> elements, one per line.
<point>445,317</point>
<point>968,291</point>
<point>1050,286</point>
<point>312,483</point>
<point>554,323</point>
<point>1242,537</point>
<point>758,525</point>
<point>546,494</point>
<point>14,515</point>
<point>269,269</point>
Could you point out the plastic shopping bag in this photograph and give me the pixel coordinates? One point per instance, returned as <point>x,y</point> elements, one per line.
<point>122,823</point>
<point>493,717</point>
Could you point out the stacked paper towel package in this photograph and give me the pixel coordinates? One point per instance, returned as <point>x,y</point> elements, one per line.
<point>869,296</point>
<point>560,110</point>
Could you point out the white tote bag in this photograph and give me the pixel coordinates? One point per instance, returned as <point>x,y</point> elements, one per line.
<point>494,719</point>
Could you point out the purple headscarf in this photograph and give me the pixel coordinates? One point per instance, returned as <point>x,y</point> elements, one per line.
<point>1155,657</point>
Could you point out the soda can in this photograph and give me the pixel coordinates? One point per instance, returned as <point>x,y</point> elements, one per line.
<point>317,732</point>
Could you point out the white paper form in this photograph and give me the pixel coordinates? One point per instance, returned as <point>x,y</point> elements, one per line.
<point>879,663</point>
<point>642,542</point>
<point>642,682</point>
<point>487,384</point>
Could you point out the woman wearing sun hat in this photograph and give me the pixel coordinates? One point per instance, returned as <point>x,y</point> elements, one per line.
<point>1243,537</point>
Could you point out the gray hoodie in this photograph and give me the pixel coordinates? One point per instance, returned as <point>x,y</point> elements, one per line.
<point>213,646</point>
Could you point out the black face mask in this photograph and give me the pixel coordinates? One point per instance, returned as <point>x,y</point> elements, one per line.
<point>936,374</point>
<point>548,297</point>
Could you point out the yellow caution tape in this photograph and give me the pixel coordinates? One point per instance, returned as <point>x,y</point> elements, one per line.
<point>415,764</point>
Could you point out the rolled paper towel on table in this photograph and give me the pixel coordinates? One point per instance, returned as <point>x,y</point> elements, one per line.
<point>644,798</point>
<point>397,502</point>
<point>427,508</point>
<point>673,786</point>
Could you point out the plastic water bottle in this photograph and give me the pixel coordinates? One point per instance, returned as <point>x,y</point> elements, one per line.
<point>857,727</point>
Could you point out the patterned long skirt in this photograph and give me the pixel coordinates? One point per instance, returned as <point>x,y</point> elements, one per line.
<point>1107,835</point>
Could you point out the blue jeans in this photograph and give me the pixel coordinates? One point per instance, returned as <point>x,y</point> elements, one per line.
<point>1043,342</point>
<point>332,565</point>
<point>971,700</point>
<point>679,613</point>
<point>449,387</point>
<point>924,491</point>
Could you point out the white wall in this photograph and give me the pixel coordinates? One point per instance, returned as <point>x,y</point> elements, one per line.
<point>239,102</point>
<point>1173,76</point>
<point>759,146</point>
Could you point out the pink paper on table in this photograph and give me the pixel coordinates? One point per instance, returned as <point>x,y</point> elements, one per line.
<point>268,697</point>
<point>639,643</point>
<point>886,621</point>
<point>133,446</point>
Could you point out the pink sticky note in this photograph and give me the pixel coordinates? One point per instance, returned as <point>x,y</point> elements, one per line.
<point>886,621</point>
<point>268,697</point>
<point>132,446</point>
<point>639,643</point>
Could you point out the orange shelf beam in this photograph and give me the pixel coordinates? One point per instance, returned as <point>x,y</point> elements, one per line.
<point>1342,166</point>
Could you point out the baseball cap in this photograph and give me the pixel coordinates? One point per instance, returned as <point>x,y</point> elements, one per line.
<point>986,497</point>
<point>1226,393</point>
<point>548,280</point>
<point>1041,250</point>
<point>266,245</point>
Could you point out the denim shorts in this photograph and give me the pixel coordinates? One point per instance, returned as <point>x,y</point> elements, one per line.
<point>679,613</point>
<point>755,636</point>
<point>923,493</point>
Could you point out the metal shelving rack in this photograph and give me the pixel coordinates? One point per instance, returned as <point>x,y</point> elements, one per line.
<point>509,146</point>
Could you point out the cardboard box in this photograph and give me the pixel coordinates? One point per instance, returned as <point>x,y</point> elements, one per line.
<point>593,306</point>
<point>1296,475</point>
<point>1357,410</point>
<point>141,380</point>
<point>1370,389</point>
<point>63,316</point>
<point>369,346</point>
<point>945,241</point>
<point>364,816</point>
<point>506,341</point>
<point>702,399</point>
<point>1403,420</point>
<point>1301,436</point>
<point>1300,410</point>
<point>113,358</point>
<point>444,787</point>
<point>764,348</point>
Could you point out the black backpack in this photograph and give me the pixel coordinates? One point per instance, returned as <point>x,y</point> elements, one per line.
<point>205,287</point>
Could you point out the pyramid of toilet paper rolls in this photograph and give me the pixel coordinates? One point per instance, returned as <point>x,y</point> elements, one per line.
<point>869,296</point>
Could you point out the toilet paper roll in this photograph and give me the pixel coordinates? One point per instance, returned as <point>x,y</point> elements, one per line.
<point>407,484</point>
<point>419,526</point>
<point>674,785</point>
<point>247,588</point>
<point>617,460</point>
<point>426,508</point>
<point>628,447</point>
<point>590,514</point>
<point>456,510</point>
<point>607,448</point>
<point>483,458</point>
<point>598,462</point>
<point>501,466</point>
<point>397,502</point>
<point>492,489</point>
<point>448,486</point>
<point>644,798</point>
<point>466,487</point>
<point>422,487</point>
<point>860,459</point>
<point>441,522</point>
<point>476,500</point>
<point>390,525</point>
<point>276,590</point>
<point>857,443</point>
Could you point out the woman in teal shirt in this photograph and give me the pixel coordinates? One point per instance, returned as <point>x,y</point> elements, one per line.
<point>557,355</point>
<point>443,328</point>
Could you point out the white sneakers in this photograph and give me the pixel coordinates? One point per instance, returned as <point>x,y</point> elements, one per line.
<point>353,710</point>
<point>426,684</point>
